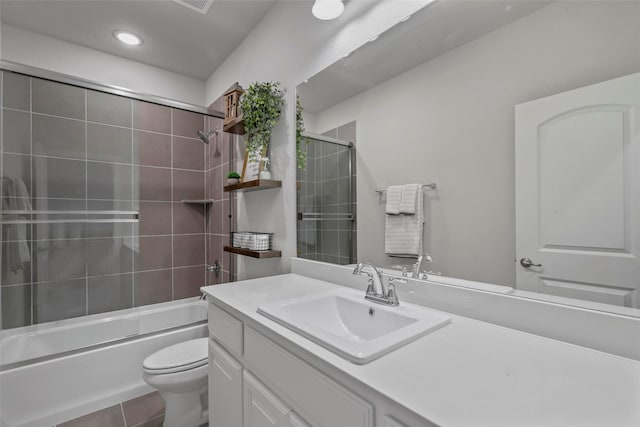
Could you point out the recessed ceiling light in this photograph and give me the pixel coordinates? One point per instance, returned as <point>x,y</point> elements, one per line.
<point>327,9</point>
<point>128,38</point>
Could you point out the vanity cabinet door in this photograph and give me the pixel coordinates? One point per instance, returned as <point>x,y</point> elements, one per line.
<point>225,388</point>
<point>261,407</point>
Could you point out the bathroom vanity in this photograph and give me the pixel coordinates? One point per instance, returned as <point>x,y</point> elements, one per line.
<point>465,373</point>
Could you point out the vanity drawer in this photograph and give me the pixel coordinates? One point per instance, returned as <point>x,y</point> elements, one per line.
<point>317,398</point>
<point>226,329</point>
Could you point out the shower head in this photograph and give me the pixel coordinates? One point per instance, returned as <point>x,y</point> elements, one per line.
<point>205,136</point>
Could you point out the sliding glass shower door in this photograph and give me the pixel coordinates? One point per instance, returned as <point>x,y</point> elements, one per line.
<point>326,206</point>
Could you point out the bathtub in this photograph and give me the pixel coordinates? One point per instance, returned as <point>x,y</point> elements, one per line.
<point>54,372</point>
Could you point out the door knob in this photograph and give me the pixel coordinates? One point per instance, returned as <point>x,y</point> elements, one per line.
<point>527,263</point>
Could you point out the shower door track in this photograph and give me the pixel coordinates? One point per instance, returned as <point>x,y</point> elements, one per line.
<point>112,89</point>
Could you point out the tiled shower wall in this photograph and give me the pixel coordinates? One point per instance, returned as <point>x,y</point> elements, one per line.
<point>324,187</point>
<point>79,149</point>
<point>220,218</point>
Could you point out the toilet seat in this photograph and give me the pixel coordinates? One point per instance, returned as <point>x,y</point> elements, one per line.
<point>177,358</point>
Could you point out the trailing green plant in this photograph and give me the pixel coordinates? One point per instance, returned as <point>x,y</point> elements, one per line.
<point>261,108</point>
<point>233,174</point>
<point>301,155</point>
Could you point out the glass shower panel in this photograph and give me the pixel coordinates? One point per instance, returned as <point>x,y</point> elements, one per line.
<point>325,202</point>
<point>92,213</point>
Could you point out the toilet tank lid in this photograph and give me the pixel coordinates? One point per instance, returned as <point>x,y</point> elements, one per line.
<point>181,354</point>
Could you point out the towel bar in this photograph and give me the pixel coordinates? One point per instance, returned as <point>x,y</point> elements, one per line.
<point>135,216</point>
<point>431,186</point>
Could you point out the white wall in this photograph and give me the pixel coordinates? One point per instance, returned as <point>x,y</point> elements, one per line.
<point>455,126</point>
<point>288,46</point>
<point>36,50</point>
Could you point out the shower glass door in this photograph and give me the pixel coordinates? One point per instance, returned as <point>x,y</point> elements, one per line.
<point>92,219</point>
<point>326,206</point>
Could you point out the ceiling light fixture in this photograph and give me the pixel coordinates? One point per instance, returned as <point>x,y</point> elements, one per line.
<point>128,38</point>
<point>327,9</point>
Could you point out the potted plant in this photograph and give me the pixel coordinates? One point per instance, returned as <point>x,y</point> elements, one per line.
<point>265,173</point>
<point>301,155</point>
<point>233,178</point>
<point>261,108</point>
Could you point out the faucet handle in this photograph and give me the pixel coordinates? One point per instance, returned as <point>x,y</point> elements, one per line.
<point>392,295</point>
<point>370,290</point>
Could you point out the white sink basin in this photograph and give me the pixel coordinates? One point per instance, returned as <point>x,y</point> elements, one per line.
<point>345,323</point>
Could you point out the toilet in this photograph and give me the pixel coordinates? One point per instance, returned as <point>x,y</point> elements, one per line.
<point>179,372</point>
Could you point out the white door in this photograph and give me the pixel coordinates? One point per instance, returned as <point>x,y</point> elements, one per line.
<point>261,407</point>
<point>578,193</point>
<point>225,388</point>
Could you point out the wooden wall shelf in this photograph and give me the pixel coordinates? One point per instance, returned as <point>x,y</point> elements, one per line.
<point>255,185</point>
<point>235,126</point>
<point>253,254</point>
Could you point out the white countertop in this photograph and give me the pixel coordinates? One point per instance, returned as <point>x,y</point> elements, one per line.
<point>471,373</point>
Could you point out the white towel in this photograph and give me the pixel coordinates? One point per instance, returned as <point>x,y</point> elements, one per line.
<point>16,198</point>
<point>40,180</point>
<point>394,195</point>
<point>403,234</point>
<point>409,199</point>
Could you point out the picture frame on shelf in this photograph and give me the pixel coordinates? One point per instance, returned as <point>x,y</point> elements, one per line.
<point>251,168</point>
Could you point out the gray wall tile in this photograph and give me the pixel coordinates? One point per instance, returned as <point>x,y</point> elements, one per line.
<point>154,183</point>
<point>187,281</point>
<point>110,293</point>
<point>57,99</point>
<point>187,185</point>
<point>155,218</point>
<point>152,149</point>
<point>151,117</point>
<point>59,300</point>
<point>109,256</point>
<point>109,109</point>
<point>65,179</point>
<point>188,218</point>
<point>186,123</point>
<point>152,287</point>
<point>188,153</point>
<point>16,306</point>
<point>109,181</point>
<point>56,260</point>
<point>58,137</point>
<point>18,166</point>
<point>153,253</point>
<point>109,143</point>
<point>16,132</point>
<point>188,250</point>
<point>16,91</point>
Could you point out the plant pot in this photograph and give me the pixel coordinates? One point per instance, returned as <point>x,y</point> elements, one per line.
<point>265,174</point>
<point>233,181</point>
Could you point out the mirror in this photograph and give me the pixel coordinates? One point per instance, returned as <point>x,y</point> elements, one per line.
<point>436,99</point>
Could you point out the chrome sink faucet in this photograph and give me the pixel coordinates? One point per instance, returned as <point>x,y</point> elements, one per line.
<point>376,286</point>
<point>415,269</point>
<point>376,291</point>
